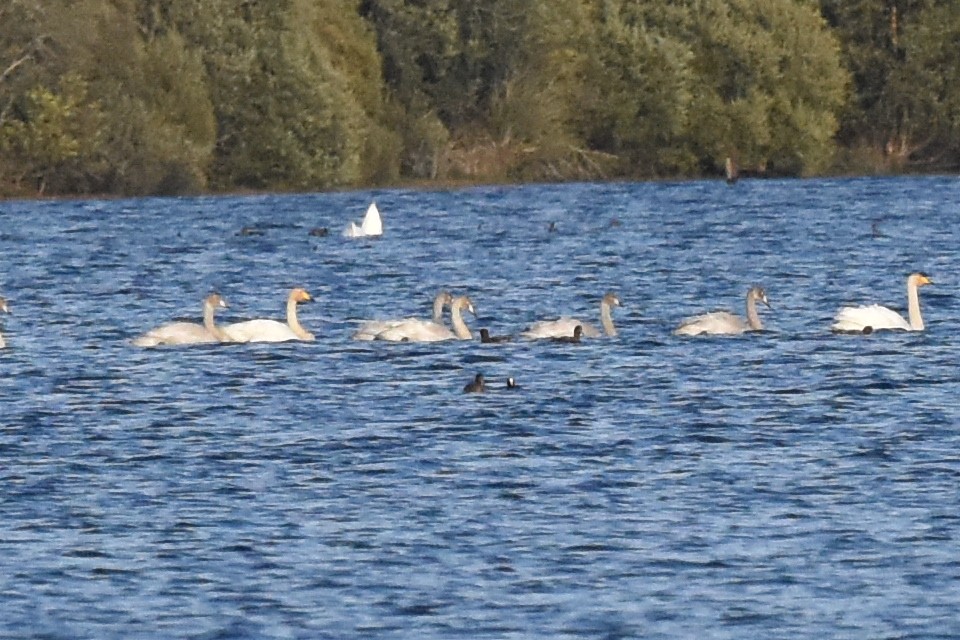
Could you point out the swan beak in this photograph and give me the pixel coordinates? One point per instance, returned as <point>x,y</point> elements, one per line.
<point>925,280</point>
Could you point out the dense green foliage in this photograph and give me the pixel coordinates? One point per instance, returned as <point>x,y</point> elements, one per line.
<point>176,96</point>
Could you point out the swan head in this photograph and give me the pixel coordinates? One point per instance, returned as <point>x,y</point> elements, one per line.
<point>919,279</point>
<point>3,305</point>
<point>758,294</point>
<point>443,298</point>
<point>464,302</point>
<point>611,300</point>
<point>214,301</point>
<point>300,295</point>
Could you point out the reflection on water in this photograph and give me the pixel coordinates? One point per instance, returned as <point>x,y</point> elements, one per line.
<point>771,485</point>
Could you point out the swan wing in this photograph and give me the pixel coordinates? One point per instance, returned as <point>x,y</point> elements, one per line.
<point>260,330</point>
<point>716,323</point>
<point>372,225</point>
<point>175,333</point>
<point>417,331</point>
<point>562,327</point>
<point>874,316</point>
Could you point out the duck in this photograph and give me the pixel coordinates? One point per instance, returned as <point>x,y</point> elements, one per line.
<point>175,333</point>
<point>512,384</point>
<point>477,386</point>
<point>4,307</point>
<point>876,317</point>
<point>419,331</point>
<point>565,326</point>
<point>370,329</point>
<point>724,322</point>
<point>263,330</point>
<point>574,339</point>
<point>372,225</point>
<point>486,338</point>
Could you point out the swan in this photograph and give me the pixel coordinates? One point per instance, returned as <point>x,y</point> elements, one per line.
<point>420,331</point>
<point>477,386</point>
<point>262,330</point>
<point>372,225</point>
<point>188,332</point>
<point>565,326</point>
<point>875,317</point>
<point>724,322</point>
<point>6,309</point>
<point>371,328</point>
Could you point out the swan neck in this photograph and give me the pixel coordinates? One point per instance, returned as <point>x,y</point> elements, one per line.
<point>606,320</point>
<point>913,307</point>
<point>753,318</point>
<point>294,323</point>
<point>459,326</point>
<point>438,310</point>
<point>210,325</point>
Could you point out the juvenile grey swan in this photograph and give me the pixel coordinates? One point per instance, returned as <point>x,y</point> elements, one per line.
<point>188,332</point>
<point>565,326</point>
<point>876,317</point>
<point>6,309</point>
<point>420,331</point>
<point>574,339</point>
<point>264,330</point>
<point>724,322</point>
<point>371,328</point>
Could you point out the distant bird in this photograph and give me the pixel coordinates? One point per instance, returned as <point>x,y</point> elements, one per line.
<point>319,232</point>
<point>477,386</point>
<point>249,231</point>
<point>512,384</point>
<point>486,338</point>
<point>730,171</point>
<point>552,227</point>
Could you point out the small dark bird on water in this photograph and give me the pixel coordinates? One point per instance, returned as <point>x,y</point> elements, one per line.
<point>477,386</point>
<point>512,384</point>
<point>486,338</point>
<point>574,339</point>
<point>319,232</point>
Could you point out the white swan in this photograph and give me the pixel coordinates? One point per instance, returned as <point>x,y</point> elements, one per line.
<point>724,322</point>
<point>370,329</point>
<point>874,317</point>
<point>420,331</point>
<point>372,225</point>
<point>262,330</point>
<point>188,332</point>
<point>6,309</point>
<point>565,326</point>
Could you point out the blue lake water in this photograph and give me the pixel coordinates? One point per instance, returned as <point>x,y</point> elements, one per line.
<point>791,483</point>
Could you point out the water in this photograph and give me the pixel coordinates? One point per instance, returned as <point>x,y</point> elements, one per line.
<point>787,484</point>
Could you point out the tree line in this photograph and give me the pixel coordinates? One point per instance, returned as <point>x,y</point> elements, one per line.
<point>140,97</point>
